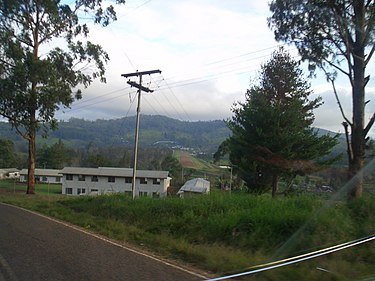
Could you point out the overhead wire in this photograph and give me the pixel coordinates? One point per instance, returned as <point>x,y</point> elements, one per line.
<point>178,101</point>
<point>169,102</point>
<point>167,85</point>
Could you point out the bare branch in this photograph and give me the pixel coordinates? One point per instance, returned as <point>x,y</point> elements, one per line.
<point>370,55</point>
<point>339,102</point>
<point>14,123</point>
<point>7,63</point>
<point>338,68</point>
<point>369,125</point>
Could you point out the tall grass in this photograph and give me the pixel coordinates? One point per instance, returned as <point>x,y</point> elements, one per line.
<point>225,233</point>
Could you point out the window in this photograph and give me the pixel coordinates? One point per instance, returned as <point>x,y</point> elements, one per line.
<point>69,177</point>
<point>156,181</point>
<point>142,193</point>
<point>111,179</point>
<point>81,191</point>
<point>128,180</point>
<point>143,180</point>
<point>58,179</point>
<point>81,178</point>
<point>68,190</point>
<point>44,178</point>
<point>94,178</point>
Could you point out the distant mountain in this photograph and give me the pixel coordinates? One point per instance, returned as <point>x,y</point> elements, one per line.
<point>204,136</point>
<point>155,130</point>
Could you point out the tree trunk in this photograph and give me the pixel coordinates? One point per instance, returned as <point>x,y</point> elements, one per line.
<point>33,105</point>
<point>358,95</point>
<point>275,181</point>
<point>32,157</point>
<point>32,154</point>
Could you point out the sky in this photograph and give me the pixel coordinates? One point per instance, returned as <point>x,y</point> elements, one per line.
<point>208,51</point>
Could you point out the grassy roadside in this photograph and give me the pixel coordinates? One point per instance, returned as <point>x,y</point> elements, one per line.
<point>223,233</point>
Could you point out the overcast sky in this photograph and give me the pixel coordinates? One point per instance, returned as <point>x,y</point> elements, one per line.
<point>209,51</point>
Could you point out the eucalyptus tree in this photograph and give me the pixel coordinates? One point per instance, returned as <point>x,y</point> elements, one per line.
<point>338,37</point>
<point>36,79</point>
<point>272,133</point>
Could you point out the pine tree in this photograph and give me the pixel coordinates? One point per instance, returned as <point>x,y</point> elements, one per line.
<point>272,134</point>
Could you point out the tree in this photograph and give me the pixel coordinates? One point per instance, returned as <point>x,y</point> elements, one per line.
<point>8,156</point>
<point>35,82</point>
<point>326,34</point>
<point>272,135</point>
<point>174,167</point>
<point>56,156</point>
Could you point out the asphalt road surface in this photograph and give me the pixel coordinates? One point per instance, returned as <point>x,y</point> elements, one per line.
<point>33,247</point>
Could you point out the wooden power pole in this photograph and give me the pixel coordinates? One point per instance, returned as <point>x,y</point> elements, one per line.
<point>140,89</point>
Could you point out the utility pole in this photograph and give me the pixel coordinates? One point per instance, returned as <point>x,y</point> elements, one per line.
<point>140,89</point>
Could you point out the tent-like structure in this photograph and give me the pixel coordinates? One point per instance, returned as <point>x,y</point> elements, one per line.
<point>195,186</point>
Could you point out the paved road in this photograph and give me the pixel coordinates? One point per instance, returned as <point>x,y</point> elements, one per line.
<point>35,248</point>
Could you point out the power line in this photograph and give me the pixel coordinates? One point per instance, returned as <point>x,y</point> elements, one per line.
<point>246,54</point>
<point>91,104</point>
<point>158,83</point>
<point>178,101</point>
<point>104,95</point>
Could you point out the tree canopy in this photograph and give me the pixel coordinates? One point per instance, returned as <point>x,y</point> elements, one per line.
<point>338,37</point>
<point>272,135</point>
<point>9,157</point>
<point>36,80</point>
<point>56,156</point>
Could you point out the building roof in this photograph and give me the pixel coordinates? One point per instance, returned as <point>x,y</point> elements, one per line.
<point>43,172</point>
<point>115,172</point>
<point>197,185</point>
<point>9,170</point>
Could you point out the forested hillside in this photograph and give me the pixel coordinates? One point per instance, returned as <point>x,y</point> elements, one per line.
<point>204,136</point>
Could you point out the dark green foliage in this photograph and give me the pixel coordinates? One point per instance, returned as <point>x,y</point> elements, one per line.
<point>338,37</point>
<point>56,156</point>
<point>8,155</point>
<point>30,81</point>
<point>272,135</point>
<point>172,165</point>
<point>34,84</point>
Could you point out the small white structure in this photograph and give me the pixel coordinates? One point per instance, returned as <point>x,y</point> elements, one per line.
<point>195,186</point>
<point>9,173</point>
<point>43,175</point>
<point>105,180</point>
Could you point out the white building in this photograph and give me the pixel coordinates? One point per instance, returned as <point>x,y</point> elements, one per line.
<point>9,173</point>
<point>104,180</point>
<point>43,175</point>
<point>195,186</point>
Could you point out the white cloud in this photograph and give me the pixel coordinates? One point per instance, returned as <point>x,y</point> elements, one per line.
<point>207,52</point>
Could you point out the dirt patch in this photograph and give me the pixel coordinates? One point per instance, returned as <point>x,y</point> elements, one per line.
<point>185,160</point>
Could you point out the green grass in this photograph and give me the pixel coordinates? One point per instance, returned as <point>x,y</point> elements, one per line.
<point>42,188</point>
<point>225,233</point>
